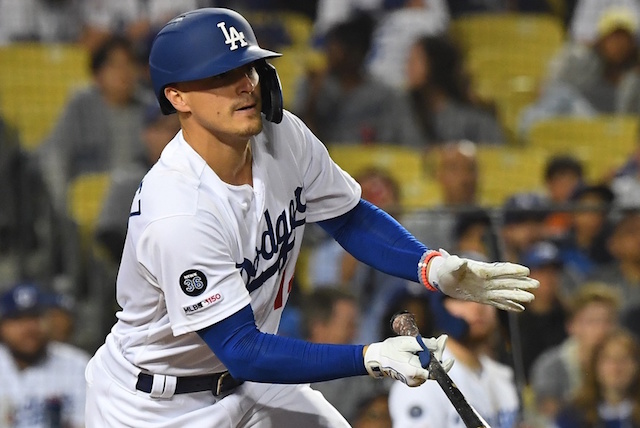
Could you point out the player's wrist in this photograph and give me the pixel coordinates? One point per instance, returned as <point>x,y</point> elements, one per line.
<point>428,266</point>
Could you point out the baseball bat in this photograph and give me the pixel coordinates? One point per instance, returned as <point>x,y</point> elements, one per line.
<point>404,324</point>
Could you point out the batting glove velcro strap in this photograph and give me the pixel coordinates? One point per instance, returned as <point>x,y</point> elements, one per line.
<point>397,358</point>
<point>503,285</point>
<point>435,346</point>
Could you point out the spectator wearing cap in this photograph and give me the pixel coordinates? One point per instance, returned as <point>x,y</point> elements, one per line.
<point>584,247</point>
<point>546,313</point>
<point>523,223</point>
<point>43,382</point>
<point>598,70</point>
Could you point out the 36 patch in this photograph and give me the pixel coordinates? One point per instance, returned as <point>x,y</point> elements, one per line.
<point>193,282</point>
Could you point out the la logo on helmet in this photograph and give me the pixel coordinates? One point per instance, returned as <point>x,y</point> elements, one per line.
<point>232,36</point>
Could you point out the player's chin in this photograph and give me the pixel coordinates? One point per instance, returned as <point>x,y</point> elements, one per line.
<point>253,123</point>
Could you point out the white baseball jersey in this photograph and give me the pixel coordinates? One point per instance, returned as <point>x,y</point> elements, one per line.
<point>198,249</point>
<point>44,395</point>
<point>491,391</point>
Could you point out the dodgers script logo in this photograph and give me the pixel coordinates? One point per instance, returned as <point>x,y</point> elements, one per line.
<point>232,36</point>
<point>277,240</point>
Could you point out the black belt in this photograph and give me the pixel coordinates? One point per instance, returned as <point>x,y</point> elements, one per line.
<point>218,383</point>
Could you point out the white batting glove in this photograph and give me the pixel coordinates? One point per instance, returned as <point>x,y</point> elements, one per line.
<point>436,346</point>
<point>397,357</point>
<point>503,285</point>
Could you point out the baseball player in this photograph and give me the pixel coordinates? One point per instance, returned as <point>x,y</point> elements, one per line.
<point>42,381</point>
<point>214,233</point>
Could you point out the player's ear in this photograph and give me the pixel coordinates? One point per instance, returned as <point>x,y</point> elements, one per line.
<point>176,98</point>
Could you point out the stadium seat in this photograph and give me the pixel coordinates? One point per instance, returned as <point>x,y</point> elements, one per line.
<point>507,56</point>
<point>35,82</point>
<point>508,170</point>
<point>602,143</point>
<point>405,165</point>
<point>86,195</point>
<point>529,33</point>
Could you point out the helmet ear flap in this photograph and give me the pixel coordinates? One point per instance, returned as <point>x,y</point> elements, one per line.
<point>271,91</point>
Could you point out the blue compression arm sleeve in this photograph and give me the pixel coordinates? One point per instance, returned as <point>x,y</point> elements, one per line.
<point>377,239</point>
<point>252,355</point>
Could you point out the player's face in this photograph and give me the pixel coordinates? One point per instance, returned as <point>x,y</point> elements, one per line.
<point>24,336</point>
<point>227,106</point>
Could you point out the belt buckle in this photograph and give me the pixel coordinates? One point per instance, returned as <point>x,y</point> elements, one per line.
<point>219,384</point>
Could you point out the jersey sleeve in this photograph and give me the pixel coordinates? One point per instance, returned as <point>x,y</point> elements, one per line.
<point>329,190</point>
<point>191,260</point>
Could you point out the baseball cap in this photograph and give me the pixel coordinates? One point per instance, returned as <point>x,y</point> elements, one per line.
<point>601,190</point>
<point>20,300</point>
<point>541,254</point>
<point>523,207</point>
<point>617,18</point>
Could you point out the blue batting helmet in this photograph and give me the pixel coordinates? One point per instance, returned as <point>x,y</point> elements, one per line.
<point>208,42</point>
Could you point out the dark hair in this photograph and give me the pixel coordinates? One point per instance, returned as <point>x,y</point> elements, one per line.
<point>355,34</point>
<point>100,57</point>
<point>445,73</point>
<point>465,220</point>
<point>561,164</point>
<point>318,306</point>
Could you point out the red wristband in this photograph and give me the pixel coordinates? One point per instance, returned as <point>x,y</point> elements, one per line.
<point>422,268</point>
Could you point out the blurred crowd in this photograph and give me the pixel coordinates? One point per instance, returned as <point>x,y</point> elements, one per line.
<point>368,73</point>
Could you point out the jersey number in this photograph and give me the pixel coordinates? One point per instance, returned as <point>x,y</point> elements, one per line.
<point>280,296</point>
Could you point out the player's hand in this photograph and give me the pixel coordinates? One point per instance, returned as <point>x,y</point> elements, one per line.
<point>397,357</point>
<point>503,285</point>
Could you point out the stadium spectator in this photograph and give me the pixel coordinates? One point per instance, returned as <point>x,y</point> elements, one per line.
<point>397,30</point>
<point>343,104</point>
<point>558,373</point>
<point>610,394</point>
<point>523,216</point>
<point>43,382</point>
<point>562,175</point>
<point>597,71</point>
<point>100,125</point>
<point>45,21</point>
<point>373,412</point>
<point>584,246</point>
<point>588,14</point>
<point>624,271</point>
<point>472,235</point>
<point>31,234</point>
<point>111,228</point>
<point>487,384</point>
<point>331,316</point>
<point>547,312</point>
<point>456,172</point>
<point>438,91</point>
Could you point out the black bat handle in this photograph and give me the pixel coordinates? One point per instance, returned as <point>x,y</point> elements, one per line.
<point>404,324</point>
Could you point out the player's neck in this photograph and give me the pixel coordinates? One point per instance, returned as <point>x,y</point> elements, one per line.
<point>230,160</point>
